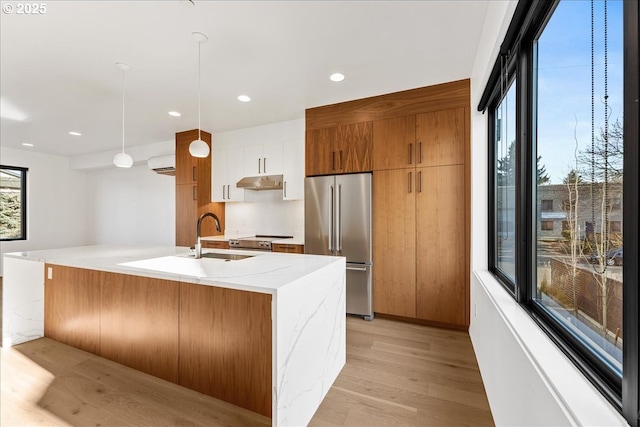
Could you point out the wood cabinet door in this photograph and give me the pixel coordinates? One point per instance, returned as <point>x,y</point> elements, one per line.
<point>225,345</point>
<point>186,164</point>
<point>319,151</point>
<point>139,324</point>
<point>394,251</point>
<point>441,254</point>
<point>353,148</point>
<point>394,143</point>
<point>186,214</point>
<point>72,306</point>
<point>441,137</point>
<point>287,248</point>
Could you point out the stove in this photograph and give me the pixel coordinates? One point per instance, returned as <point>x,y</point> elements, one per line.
<point>256,243</point>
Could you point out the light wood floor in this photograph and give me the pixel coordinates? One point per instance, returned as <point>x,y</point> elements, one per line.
<point>396,375</point>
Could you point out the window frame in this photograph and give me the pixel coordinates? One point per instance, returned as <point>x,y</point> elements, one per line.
<point>23,202</point>
<point>529,19</point>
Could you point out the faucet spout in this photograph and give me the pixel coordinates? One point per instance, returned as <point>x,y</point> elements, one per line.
<point>198,245</point>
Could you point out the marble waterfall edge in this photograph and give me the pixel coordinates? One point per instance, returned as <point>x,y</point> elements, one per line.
<point>311,343</point>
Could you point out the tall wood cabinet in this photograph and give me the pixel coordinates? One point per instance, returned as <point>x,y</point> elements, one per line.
<point>193,191</point>
<point>419,154</point>
<point>419,217</point>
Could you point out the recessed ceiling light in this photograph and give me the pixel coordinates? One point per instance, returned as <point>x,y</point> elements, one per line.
<point>26,144</point>
<point>244,98</point>
<point>336,77</point>
<point>75,133</point>
<point>174,114</point>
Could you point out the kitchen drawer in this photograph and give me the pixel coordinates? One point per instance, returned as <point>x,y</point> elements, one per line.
<point>215,244</point>
<point>284,247</point>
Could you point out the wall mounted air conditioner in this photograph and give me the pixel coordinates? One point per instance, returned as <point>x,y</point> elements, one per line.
<point>164,165</point>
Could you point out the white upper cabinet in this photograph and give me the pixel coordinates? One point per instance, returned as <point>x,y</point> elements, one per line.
<point>225,173</point>
<point>293,170</point>
<point>263,159</point>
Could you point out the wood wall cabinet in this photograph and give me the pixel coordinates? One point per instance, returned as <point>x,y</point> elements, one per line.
<point>193,191</point>
<point>288,248</point>
<point>339,149</point>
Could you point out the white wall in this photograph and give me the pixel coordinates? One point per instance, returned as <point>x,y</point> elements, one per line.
<point>56,202</point>
<point>130,206</point>
<point>529,382</point>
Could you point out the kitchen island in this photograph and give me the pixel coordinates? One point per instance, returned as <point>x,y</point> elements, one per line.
<point>265,332</point>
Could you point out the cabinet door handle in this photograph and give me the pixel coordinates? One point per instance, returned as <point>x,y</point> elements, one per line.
<point>285,188</point>
<point>341,167</point>
<point>193,174</point>
<point>420,182</point>
<point>411,153</point>
<point>193,191</point>
<point>223,198</point>
<point>333,160</point>
<point>264,164</point>
<point>420,152</point>
<point>228,192</point>
<point>410,182</point>
<point>259,164</point>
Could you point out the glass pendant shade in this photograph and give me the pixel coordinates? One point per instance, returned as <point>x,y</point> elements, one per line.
<point>199,148</point>
<point>123,160</point>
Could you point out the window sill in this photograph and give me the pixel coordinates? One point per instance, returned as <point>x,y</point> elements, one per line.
<point>522,368</point>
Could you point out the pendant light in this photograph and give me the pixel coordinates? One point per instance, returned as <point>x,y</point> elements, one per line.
<point>123,160</point>
<point>199,148</point>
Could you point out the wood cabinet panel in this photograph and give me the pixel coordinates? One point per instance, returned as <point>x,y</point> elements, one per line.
<point>394,143</point>
<point>319,155</point>
<point>72,307</point>
<point>225,345</point>
<point>288,248</point>
<point>215,244</point>
<point>414,101</point>
<point>139,324</point>
<point>441,137</point>
<point>354,147</point>
<point>441,260</point>
<point>394,254</point>
<point>186,164</point>
<point>186,214</point>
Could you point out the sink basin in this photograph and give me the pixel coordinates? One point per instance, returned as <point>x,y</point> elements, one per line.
<point>226,257</point>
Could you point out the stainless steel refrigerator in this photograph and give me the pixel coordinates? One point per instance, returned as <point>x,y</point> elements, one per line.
<point>338,222</point>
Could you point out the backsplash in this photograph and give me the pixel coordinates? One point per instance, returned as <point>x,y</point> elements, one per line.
<point>264,212</point>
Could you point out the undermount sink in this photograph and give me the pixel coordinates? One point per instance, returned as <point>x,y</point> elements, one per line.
<point>226,257</point>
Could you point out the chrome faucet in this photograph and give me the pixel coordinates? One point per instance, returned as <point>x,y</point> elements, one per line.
<point>198,246</point>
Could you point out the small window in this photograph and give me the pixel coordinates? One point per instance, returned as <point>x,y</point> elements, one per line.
<point>546,225</point>
<point>546,206</point>
<point>13,203</point>
<point>615,226</point>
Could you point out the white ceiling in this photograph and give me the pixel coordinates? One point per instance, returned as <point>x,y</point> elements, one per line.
<point>57,71</point>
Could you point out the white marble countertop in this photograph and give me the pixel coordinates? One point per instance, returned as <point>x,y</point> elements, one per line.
<point>263,272</point>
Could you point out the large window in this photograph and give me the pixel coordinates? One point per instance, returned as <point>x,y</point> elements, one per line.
<point>578,117</point>
<point>13,203</point>
<point>564,150</point>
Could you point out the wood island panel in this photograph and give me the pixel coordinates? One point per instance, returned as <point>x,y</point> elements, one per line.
<point>225,345</point>
<point>139,326</point>
<point>72,306</point>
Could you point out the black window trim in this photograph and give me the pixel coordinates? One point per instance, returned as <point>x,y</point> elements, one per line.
<point>529,18</point>
<point>23,202</point>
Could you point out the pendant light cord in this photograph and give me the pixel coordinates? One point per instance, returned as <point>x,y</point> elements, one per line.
<point>199,72</point>
<point>123,71</point>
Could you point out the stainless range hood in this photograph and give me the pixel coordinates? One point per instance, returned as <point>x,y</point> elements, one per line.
<point>260,183</point>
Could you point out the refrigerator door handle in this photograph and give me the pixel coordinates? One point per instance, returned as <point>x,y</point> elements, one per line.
<point>339,227</point>
<point>331,232</point>
<point>357,268</point>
